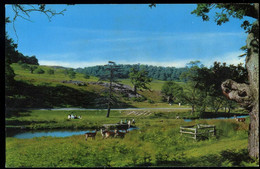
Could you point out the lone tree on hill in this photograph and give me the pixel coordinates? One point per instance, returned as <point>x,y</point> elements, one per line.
<point>245,94</point>
<point>113,70</point>
<point>139,79</point>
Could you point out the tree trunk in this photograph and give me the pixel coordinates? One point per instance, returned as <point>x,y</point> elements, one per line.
<point>192,109</point>
<point>108,109</point>
<point>248,95</point>
<point>169,99</point>
<point>135,89</point>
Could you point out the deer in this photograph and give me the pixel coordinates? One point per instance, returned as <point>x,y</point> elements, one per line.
<point>119,134</point>
<point>240,119</point>
<point>106,134</point>
<point>93,135</point>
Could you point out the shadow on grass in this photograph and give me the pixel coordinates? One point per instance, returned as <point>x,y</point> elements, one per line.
<point>16,113</point>
<point>226,158</point>
<point>43,96</point>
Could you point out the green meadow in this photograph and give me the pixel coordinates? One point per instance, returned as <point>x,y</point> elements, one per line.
<point>157,142</point>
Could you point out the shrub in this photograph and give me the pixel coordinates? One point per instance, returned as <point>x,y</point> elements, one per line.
<point>50,71</point>
<point>25,66</point>
<point>86,76</point>
<point>150,101</point>
<point>20,62</point>
<point>139,99</point>
<point>39,71</point>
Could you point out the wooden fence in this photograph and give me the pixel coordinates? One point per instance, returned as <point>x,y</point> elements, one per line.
<point>198,131</point>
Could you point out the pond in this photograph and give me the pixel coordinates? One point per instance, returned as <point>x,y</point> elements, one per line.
<point>188,120</point>
<point>25,134</point>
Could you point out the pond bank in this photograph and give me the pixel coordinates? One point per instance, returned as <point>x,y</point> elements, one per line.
<point>241,116</point>
<point>26,134</point>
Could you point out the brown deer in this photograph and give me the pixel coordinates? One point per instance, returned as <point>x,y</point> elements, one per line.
<point>119,134</point>
<point>240,119</point>
<point>93,135</point>
<point>106,134</point>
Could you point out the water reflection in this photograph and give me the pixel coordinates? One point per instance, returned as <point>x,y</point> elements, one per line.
<point>46,133</point>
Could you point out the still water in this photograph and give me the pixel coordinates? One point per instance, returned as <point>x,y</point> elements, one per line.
<point>46,133</point>
<point>188,120</point>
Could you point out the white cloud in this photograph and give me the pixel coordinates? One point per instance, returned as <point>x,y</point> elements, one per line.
<point>70,64</point>
<point>228,58</point>
<point>156,36</point>
<point>180,63</point>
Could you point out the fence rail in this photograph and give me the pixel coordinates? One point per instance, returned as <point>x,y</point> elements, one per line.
<point>198,131</point>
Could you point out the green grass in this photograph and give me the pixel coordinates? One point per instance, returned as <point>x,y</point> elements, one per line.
<point>49,91</point>
<point>156,143</point>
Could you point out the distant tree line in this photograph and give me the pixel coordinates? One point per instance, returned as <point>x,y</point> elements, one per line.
<point>154,72</point>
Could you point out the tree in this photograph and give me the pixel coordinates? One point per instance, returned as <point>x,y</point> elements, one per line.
<point>194,97</point>
<point>113,69</point>
<point>172,91</point>
<point>71,73</point>
<point>245,94</point>
<point>9,78</point>
<point>139,79</point>
<point>24,11</point>
<point>11,54</point>
<point>32,68</point>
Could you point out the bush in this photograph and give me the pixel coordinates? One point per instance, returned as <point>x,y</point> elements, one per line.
<point>50,71</point>
<point>20,62</point>
<point>25,66</point>
<point>39,71</point>
<point>150,101</point>
<point>139,99</point>
<point>86,76</point>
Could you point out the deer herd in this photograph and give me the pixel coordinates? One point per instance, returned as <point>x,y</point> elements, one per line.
<point>116,133</point>
<point>106,134</point>
<point>111,133</point>
<point>239,119</point>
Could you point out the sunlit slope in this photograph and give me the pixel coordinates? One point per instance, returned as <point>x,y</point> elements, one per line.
<point>50,82</point>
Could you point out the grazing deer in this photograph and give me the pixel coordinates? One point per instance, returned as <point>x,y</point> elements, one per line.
<point>240,119</point>
<point>133,121</point>
<point>129,124</point>
<point>106,134</point>
<point>119,134</point>
<point>93,135</point>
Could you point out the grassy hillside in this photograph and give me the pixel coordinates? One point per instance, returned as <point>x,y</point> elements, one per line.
<point>47,90</point>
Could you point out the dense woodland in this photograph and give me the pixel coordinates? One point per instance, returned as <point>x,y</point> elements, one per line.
<point>154,72</point>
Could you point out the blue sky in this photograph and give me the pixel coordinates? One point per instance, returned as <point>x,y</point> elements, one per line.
<point>87,35</point>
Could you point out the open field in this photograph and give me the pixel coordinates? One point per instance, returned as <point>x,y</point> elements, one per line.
<point>156,143</point>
